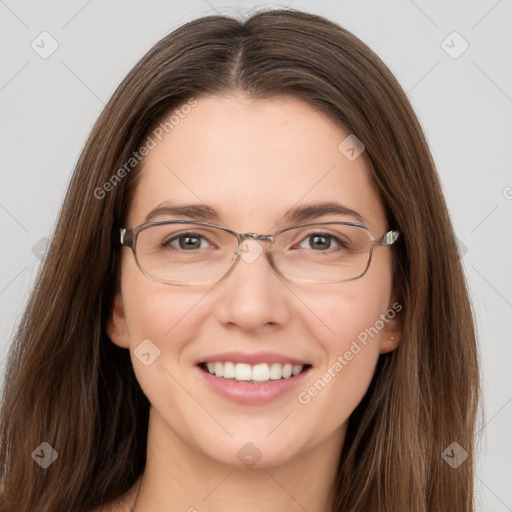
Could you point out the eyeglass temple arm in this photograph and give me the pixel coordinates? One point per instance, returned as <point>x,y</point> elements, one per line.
<point>126,237</point>
<point>390,237</point>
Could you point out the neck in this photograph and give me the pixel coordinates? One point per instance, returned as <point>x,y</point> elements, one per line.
<point>178,477</point>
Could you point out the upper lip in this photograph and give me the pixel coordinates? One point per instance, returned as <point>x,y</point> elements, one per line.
<point>252,359</point>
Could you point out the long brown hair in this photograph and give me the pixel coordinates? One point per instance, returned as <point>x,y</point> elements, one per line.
<point>66,384</point>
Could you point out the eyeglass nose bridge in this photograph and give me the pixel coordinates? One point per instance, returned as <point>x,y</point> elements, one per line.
<point>241,237</point>
<point>255,236</point>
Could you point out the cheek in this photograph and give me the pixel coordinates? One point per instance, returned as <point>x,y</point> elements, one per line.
<point>154,310</point>
<point>351,310</point>
<point>160,320</point>
<point>355,345</point>
<point>351,346</point>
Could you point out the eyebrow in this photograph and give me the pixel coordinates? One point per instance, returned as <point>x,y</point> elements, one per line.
<point>203,212</point>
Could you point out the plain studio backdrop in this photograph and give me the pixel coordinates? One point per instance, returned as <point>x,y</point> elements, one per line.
<point>61,61</point>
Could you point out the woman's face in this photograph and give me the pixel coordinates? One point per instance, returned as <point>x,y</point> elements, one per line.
<point>252,161</point>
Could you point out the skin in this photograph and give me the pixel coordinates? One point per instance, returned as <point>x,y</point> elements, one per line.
<point>251,160</point>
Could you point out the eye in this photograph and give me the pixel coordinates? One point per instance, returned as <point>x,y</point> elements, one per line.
<point>322,241</point>
<point>186,242</point>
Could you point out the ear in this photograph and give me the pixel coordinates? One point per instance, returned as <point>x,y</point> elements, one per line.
<point>117,328</point>
<point>393,327</point>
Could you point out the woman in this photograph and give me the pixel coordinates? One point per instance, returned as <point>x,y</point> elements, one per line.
<point>253,298</point>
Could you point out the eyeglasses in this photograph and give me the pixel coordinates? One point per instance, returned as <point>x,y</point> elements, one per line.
<point>183,252</point>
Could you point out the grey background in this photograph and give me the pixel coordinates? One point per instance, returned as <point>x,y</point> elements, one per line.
<point>48,107</point>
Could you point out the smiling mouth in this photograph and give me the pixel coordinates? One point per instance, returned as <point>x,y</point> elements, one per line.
<point>256,374</point>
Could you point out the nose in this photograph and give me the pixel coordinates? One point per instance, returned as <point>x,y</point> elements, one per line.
<point>252,295</point>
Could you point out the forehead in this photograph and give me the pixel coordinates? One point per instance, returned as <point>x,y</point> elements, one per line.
<point>252,160</point>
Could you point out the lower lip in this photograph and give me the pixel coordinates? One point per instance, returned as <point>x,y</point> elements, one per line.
<point>247,393</point>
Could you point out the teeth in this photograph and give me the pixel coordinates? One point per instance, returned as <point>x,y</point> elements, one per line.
<point>257,373</point>
<point>287,371</point>
<point>242,371</point>
<point>229,370</point>
<point>260,372</point>
<point>297,369</point>
<point>219,369</point>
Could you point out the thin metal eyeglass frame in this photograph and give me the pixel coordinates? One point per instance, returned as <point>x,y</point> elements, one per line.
<point>128,238</point>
